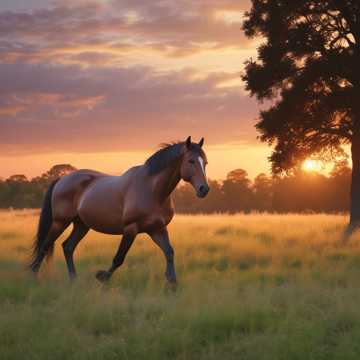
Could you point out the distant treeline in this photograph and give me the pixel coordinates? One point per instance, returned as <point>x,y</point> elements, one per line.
<point>298,192</point>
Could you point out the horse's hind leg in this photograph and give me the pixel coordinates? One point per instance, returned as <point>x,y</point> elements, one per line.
<point>78,232</point>
<point>56,229</point>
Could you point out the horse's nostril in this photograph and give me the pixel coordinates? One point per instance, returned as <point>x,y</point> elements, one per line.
<point>202,191</point>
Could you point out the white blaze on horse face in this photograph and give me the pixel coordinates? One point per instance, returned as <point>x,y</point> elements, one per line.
<point>201,161</point>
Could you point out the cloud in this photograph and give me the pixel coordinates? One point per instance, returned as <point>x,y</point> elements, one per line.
<point>60,33</point>
<point>114,75</point>
<point>62,108</point>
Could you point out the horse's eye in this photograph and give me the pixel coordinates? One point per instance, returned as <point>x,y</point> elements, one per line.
<point>191,161</point>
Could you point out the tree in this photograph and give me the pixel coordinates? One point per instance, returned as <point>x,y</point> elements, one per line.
<point>263,193</point>
<point>58,171</point>
<point>308,65</point>
<point>237,191</point>
<point>300,191</point>
<point>18,178</point>
<point>186,201</point>
<point>16,190</point>
<point>340,177</point>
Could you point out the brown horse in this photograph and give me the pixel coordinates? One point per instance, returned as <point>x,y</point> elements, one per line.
<point>139,201</point>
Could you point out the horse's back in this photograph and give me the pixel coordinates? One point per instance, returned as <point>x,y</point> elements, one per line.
<point>109,203</point>
<point>101,205</point>
<point>68,191</point>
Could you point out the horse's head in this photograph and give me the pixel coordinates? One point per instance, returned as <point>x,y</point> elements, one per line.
<point>193,167</point>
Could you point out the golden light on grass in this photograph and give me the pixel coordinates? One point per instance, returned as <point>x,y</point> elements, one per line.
<point>240,277</point>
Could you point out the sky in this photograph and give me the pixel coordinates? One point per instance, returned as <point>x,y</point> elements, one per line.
<point>101,83</point>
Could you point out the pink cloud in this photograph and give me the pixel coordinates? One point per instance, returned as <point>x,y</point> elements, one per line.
<point>63,107</point>
<point>65,86</point>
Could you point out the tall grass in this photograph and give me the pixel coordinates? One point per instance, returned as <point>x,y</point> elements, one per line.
<point>250,287</point>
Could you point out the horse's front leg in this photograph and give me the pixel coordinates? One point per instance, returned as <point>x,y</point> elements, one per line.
<point>161,238</point>
<point>128,238</point>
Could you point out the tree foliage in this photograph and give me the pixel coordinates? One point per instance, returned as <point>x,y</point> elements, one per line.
<point>299,191</point>
<point>296,192</point>
<point>308,65</point>
<point>19,192</point>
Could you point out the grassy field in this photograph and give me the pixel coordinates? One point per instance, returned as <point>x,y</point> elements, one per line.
<point>250,287</point>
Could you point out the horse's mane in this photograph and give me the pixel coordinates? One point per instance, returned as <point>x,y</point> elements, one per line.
<point>168,153</point>
<point>162,158</point>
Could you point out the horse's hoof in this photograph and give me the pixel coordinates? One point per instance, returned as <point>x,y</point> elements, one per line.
<point>171,286</point>
<point>103,276</point>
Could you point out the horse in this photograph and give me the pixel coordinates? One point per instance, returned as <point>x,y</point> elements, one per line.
<point>138,201</point>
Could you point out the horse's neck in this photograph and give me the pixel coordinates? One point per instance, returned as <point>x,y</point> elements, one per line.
<point>166,181</point>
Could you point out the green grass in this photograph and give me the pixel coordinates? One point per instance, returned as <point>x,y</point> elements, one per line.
<point>250,287</point>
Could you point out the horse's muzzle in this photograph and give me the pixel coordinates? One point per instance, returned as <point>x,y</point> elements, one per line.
<point>203,191</point>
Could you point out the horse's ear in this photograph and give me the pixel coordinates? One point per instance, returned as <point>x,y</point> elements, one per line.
<point>188,142</point>
<point>201,142</point>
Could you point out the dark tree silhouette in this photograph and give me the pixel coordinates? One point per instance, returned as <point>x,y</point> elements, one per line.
<point>17,178</point>
<point>57,171</point>
<point>308,192</point>
<point>308,65</point>
<point>237,191</point>
<point>186,201</point>
<point>262,193</point>
<point>340,178</point>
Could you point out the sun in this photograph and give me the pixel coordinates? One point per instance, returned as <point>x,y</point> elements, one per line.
<point>312,165</point>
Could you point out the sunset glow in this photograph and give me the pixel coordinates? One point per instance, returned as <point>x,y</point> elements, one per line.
<point>311,165</point>
<point>100,84</point>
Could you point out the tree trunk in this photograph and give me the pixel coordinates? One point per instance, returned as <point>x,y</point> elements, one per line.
<point>355,180</point>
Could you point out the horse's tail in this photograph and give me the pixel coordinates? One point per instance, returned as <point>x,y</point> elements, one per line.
<point>45,222</point>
